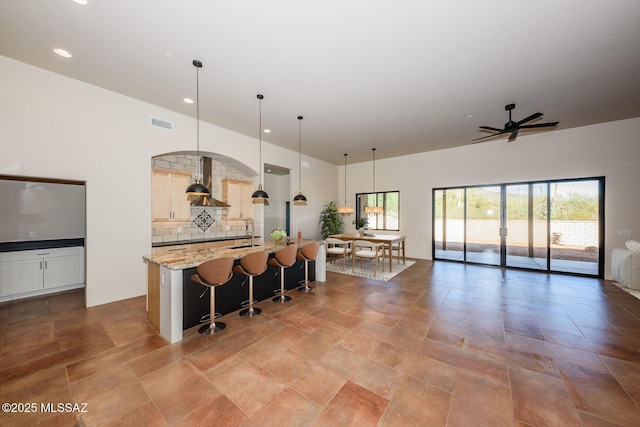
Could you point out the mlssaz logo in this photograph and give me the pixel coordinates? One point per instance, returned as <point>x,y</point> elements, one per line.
<point>63,407</point>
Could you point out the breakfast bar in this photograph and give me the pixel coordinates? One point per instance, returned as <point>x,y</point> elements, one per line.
<point>176,303</point>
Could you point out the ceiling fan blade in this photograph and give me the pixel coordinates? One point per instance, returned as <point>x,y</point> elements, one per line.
<point>487,137</point>
<point>513,135</point>
<point>531,117</point>
<point>540,125</point>
<point>490,128</point>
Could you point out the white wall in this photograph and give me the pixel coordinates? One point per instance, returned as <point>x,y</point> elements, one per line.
<point>611,150</point>
<point>56,127</point>
<point>53,126</point>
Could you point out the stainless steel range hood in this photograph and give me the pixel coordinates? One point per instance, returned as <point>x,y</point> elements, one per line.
<point>206,180</point>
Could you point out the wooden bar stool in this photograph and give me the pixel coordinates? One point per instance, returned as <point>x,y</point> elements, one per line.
<point>284,258</point>
<point>253,264</point>
<point>213,273</point>
<point>307,253</point>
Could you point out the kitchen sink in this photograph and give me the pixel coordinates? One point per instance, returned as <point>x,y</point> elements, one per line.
<point>242,246</point>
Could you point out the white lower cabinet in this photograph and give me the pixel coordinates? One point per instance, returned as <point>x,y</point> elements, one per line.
<point>21,275</point>
<point>36,270</point>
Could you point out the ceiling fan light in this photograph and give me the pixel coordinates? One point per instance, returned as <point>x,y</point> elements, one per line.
<point>512,127</point>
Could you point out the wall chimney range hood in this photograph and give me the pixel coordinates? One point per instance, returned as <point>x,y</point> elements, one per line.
<point>208,201</point>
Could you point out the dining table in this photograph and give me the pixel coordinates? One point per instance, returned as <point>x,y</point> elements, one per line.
<point>388,240</point>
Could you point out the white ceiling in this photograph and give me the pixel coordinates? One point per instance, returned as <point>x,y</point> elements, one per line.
<point>402,76</point>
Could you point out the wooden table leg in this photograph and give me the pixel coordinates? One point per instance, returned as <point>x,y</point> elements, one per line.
<point>390,258</point>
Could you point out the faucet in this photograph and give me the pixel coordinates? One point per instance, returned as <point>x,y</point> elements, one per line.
<point>248,221</point>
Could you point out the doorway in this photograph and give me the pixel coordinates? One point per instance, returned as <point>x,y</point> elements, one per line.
<point>554,226</point>
<point>277,182</point>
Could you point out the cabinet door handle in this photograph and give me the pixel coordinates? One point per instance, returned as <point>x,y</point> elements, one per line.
<point>40,265</point>
<point>45,265</point>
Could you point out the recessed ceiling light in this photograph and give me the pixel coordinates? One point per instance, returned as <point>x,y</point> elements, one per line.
<point>188,100</point>
<point>469,116</point>
<point>267,131</point>
<point>62,52</point>
<point>269,170</point>
<point>168,55</point>
<point>82,2</point>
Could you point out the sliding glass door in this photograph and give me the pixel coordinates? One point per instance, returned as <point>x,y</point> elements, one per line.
<point>526,224</point>
<point>483,225</point>
<point>448,223</point>
<point>552,225</point>
<point>575,217</point>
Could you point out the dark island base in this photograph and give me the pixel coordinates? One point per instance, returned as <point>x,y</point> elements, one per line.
<point>234,294</point>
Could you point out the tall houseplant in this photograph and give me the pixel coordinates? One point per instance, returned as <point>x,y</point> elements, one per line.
<point>330,220</point>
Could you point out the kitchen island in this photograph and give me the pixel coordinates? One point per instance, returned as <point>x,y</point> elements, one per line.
<point>176,303</point>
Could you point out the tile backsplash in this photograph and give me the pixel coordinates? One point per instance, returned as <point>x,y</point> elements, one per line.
<point>206,222</point>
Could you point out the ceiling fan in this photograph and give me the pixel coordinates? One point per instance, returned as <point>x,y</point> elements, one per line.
<point>513,127</point>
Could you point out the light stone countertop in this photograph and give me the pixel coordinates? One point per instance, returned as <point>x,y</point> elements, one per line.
<point>189,258</point>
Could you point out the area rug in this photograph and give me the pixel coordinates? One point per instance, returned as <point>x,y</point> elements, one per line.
<point>627,290</point>
<point>367,269</point>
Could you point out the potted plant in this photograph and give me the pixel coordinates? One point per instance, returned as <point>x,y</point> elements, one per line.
<point>330,220</point>
<point>278,235</point>
<point>361,224</point>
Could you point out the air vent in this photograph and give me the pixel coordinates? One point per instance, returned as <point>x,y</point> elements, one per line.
<point>159,123</point>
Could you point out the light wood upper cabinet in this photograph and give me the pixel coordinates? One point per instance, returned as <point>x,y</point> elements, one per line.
<point>169,201</point>
<point>237,193</point>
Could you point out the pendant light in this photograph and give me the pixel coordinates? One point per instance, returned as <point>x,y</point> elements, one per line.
<point>197,188</point>
<point>259,196</point>
<point>374,209</point>
<point>345,210</point>
<point>300,200</point>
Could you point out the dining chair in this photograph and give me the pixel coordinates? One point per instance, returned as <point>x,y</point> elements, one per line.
<point>368,250</point>
<point>396,247</point>
<point>337,248</point>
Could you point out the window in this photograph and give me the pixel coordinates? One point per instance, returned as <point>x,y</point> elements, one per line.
<point>390,203</point>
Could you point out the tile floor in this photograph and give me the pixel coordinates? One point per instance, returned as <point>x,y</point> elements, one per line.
<point>442,344</point>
